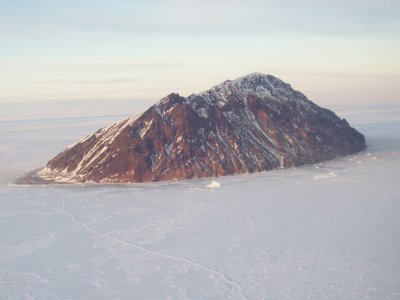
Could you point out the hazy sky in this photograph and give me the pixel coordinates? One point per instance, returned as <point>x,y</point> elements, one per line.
<point>333,51</point>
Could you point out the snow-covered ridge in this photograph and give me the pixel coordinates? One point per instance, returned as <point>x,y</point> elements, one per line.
<point>262,85</point>
<point>104,138</point>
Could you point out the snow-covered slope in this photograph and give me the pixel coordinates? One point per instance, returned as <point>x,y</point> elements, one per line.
<point>258,84</point>
<point>254,123</point>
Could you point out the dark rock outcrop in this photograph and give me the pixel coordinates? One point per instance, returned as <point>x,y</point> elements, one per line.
<point>251,124</point>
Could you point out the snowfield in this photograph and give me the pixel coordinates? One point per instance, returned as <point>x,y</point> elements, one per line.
<point>324,231</point>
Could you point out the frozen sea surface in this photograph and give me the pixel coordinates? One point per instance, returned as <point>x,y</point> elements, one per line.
<point>324,231</point>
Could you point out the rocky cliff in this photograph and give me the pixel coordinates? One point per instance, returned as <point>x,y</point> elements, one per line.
<point>251,124</point>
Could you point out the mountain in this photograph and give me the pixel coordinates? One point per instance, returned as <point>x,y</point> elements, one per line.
<point>251,124</point>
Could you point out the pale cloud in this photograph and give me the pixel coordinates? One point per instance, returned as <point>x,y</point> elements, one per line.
<point>89,65</point>
<point>206,17</point>
<point>349,18</point>
<point>90,82</point>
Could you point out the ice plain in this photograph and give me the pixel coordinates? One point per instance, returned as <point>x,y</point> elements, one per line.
<point>324,231</point>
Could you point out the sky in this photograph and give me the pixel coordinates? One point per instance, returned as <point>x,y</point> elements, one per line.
<point>333,51</point>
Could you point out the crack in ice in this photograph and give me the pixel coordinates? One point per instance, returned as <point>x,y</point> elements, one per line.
<point>152,252</point>
<point>182,291</point>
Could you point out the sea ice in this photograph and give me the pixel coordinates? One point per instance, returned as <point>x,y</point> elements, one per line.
<point>273,235</point>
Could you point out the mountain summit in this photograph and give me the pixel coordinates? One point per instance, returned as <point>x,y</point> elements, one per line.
<point>251,124</point>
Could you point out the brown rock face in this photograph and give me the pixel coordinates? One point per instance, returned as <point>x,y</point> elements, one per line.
<point>254,123</point>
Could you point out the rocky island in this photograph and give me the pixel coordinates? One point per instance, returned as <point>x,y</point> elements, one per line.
<point>250,124</point>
